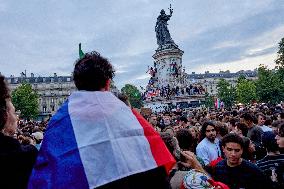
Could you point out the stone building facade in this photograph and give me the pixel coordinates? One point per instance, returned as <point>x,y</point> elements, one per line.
<point>209,80</point>
<point>52,90</point>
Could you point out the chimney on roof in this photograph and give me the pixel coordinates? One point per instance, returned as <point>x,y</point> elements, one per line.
<point>32,75</point>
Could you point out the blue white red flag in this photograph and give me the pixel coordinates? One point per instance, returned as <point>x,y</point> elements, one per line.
<point>94,139</point>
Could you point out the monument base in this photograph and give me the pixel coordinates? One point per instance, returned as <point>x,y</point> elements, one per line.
<point>168,63</point>
<point>183,102</point>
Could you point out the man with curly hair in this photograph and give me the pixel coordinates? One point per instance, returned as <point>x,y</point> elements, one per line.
<point>96,141</point>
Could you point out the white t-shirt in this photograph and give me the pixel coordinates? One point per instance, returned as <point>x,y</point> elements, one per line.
<point>208,151</point>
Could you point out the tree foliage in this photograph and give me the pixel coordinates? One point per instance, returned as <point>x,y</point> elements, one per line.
<point>280,54</point>
<point>241,78</point>
<point>133,94</point>
<point>280,61</point>
<point>226,92</point>
<point>269,86</point>
<point>245,90</point>
<point>25,99</point>
<point>209,100</point>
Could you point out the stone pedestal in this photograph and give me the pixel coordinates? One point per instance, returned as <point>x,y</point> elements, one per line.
<point>168,63</point>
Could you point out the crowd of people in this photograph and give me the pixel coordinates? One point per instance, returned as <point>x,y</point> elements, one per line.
<point>242,148</point>
<point>30,132</point>
<point>168,92</point>
<point>155,88</point>
<point>97,141</point>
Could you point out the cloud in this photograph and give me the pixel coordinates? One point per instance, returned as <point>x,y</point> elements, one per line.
<point>142,77</point>
<point>225,44</point>
<point>43,37</point>
<point>242,64</point>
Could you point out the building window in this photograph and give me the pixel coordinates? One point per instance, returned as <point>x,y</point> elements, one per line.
<point>52,108</point>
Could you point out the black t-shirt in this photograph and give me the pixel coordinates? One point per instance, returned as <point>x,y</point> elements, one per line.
<point>16,162</point>
<point>154,178</point>
<point>246,175</point>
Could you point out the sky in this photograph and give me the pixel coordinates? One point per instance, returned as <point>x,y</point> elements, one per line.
<point>42,37</point>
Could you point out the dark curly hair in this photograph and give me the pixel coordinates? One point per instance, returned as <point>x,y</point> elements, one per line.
<point>185,139</point>
<point>92,72</point>
<point>4,94</point>
<point>247,117</point>
<point>243,128</point>
<point>234,138</point>
<point>204,127</point>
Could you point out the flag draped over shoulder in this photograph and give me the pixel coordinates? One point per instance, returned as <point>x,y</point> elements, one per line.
<point>94,139</point>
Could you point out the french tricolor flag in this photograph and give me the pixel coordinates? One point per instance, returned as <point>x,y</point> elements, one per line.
<point>94,139</point>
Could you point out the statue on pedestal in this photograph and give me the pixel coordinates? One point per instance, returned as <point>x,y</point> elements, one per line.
<point>162,32</point>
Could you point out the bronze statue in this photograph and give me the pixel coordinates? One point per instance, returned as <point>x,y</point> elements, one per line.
<point>162,32</point>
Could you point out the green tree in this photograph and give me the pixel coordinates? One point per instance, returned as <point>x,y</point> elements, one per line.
<point>241,78</point>
<point>25,99</point>
<point>245,91</point>
<point>133,94</point>
<point>280,64</point>
<point>280,54</point>
<point>209,100</point>
<point>269,86</point>
<point>226,92</point>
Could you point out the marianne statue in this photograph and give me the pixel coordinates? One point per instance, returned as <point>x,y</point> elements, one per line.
<point>162,32</point>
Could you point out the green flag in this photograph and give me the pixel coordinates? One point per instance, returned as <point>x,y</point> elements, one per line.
<point>81,53</point>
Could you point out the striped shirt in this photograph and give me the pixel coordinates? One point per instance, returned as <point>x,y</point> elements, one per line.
<point>273,167</point>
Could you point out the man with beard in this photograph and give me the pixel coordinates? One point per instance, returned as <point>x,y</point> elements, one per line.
<point>236,172</point>
<point>208,149</point>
